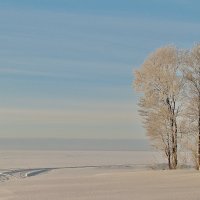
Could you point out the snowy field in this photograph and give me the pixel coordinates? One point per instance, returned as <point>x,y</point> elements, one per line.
<point>92,175</point>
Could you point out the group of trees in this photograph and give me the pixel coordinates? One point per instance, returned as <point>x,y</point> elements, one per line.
<point>169,80</point>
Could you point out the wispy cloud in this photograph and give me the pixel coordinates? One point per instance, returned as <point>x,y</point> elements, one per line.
<point>81,114</point>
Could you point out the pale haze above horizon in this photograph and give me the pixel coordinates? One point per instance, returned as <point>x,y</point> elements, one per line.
<point>66,66</point>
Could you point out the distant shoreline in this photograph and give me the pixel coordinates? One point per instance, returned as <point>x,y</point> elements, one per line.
<point>74,144</point>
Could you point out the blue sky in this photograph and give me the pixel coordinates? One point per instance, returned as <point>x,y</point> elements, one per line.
<point>66,65</point>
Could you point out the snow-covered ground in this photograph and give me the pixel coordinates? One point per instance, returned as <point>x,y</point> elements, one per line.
<point>92,175</point>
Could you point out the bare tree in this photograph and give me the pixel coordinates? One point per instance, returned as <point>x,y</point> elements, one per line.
<point>160,82</point>
<point>191,72</point>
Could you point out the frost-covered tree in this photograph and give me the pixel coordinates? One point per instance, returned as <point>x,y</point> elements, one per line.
<point>191,70</point>
<point>160,81</point>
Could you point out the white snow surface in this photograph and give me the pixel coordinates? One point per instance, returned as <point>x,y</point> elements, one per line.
<point>92,175</point>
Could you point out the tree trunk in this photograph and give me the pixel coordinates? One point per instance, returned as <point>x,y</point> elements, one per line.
<point>198,167</point>
<point>174,134</point>
<point>169,162</point>
<point>174,152</point>
<point>175,145</point>
<point>168,153</point>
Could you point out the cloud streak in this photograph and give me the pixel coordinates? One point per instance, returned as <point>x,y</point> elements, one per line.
<point>96,114</point>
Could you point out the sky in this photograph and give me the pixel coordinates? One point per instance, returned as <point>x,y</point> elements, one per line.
<point>66,66</point>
